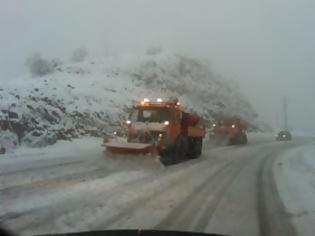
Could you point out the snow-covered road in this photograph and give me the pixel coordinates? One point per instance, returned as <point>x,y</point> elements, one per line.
<point>229,190</point>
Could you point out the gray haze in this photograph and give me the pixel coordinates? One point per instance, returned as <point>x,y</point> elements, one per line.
<point>266,45</point>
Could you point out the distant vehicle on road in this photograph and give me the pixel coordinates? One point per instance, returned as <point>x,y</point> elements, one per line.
<point>284,135</point>
<point>229,130</point>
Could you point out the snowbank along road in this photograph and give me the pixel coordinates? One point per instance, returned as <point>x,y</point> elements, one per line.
<point>229,190</point>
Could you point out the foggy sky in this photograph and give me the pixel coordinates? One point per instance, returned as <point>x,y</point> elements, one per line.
<point>266,45</point>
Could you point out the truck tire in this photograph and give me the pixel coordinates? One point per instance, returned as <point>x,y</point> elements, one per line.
<point>166,156</point>
<point>199,150</point>
<point>2,150</point>
<point>174,153</point>
<point>195,147</point>
<point>239,139</point>
<point>242,139</point>
<point>180,149</point>
<point>245,140</point>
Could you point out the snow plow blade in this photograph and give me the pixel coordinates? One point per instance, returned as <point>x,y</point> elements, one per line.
<point>129,148</point>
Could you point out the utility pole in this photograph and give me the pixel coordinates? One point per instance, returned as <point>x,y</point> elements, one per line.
<point>285,112</point>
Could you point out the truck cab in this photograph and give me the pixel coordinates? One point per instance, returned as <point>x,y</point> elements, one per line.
<point>154,121</point>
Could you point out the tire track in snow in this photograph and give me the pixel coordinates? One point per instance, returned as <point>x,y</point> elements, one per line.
<point>39,167</point>
<point>152,197</point>
<point>77,212</point>
<point>131,215</point>
<point>67,204</point>
<point>24,177</point>
<point>221,188</point>
<point>42,185</point>
<point>36,165</point>
<point>194,212</point>
<point>63,198</point>
<point>144,190</point>
<point>86,209</point>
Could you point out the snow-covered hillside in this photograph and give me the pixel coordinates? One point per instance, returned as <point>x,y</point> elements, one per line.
<point>92,97</point>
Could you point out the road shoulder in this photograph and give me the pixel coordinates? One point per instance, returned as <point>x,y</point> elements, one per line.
<point>294,173</point>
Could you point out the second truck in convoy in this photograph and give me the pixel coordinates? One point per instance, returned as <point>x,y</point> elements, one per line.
<point>229,131</point>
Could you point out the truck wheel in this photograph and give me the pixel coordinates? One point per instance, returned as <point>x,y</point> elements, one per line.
<point>180,149</point>
<point>242,139</point>
<point>195,148</point>
<point>2,150</point>
<point>238,139</point>
<point>166,157</point>
<point>199,150</point>
<point>176,153</point>
<point>245,140</point>
<point>173,155</point>
<point>233,141</point>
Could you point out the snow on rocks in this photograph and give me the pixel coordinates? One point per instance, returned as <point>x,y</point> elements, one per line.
<point>92,97</point>
<point>8,141</point>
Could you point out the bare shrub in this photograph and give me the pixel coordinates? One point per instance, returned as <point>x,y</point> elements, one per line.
<point>79,55</point>
<point>154,50</point>
<point>39,66</point>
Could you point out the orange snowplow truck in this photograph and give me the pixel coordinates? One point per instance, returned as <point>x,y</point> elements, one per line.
<point>229,130</point>
<point>161,127</point>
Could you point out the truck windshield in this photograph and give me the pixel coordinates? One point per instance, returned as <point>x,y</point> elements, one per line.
<point>150,115</point>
